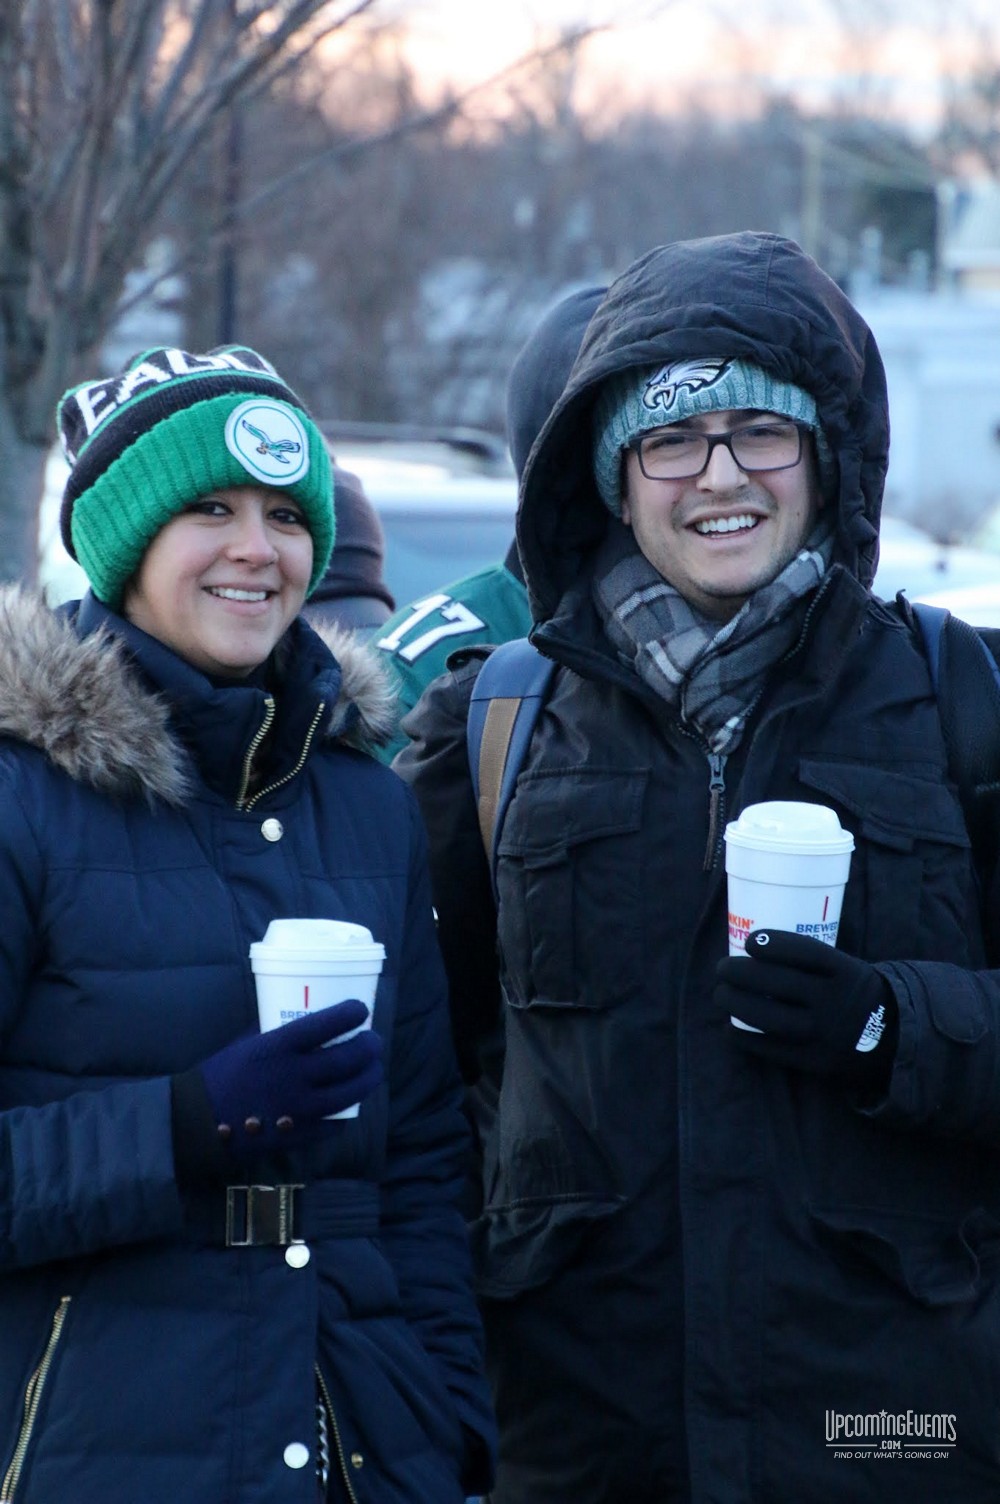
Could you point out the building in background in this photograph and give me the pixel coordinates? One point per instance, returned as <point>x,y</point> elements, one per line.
<point>969,236</point>
<point>942,357</point>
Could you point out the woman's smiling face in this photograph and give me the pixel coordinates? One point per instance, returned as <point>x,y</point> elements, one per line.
<point>221,582</point>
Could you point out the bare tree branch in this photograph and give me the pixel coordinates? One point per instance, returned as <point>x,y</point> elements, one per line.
<point>429,119</point>
<point>344,152</point>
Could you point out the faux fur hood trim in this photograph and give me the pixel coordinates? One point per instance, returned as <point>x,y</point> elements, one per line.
<point>366,685</point>
<point>79,702</point>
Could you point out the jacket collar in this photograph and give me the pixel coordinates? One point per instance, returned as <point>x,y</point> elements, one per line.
<point>117,711</point>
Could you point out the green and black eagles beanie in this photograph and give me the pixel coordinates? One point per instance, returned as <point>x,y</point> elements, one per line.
<point>173,427</point>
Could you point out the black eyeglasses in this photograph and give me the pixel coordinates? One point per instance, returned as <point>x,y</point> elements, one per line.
<point>682,453</point>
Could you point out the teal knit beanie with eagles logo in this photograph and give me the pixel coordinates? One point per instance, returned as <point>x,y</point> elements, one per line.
<point>642,398</point>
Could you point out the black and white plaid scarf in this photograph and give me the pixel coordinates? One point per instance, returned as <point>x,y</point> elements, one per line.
<point>713,674</point>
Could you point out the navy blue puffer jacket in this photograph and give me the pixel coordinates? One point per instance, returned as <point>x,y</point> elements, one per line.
<point>141,1358</point>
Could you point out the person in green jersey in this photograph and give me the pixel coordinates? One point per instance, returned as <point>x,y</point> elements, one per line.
<point>490,605</point>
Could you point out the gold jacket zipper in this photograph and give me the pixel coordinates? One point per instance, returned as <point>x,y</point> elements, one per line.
<point>287,777</point>
<point>262,731</point>
<point>336,1436</point>
<point>32,1400</point>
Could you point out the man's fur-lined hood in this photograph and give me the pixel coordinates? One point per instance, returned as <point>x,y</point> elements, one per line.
<point>80,703</point>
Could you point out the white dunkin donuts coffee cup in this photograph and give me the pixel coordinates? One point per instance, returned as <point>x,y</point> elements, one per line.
<point>304,964</point>
<point>787,865</point>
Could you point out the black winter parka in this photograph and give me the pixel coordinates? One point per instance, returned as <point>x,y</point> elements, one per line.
<point>706,1278</point>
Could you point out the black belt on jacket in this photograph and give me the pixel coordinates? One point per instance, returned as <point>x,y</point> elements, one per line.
<point>262,1216</point>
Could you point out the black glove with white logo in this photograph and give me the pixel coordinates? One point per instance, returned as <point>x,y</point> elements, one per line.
<point>813,1007</point>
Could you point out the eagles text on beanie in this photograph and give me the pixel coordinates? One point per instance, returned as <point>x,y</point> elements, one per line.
<point>170,428</point>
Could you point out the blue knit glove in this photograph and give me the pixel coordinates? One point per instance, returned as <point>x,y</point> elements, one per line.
<point>270,1091</point>
<point>816,1008</point>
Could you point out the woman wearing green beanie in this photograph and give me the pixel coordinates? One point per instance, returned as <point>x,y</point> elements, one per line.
<point>210,1287</point>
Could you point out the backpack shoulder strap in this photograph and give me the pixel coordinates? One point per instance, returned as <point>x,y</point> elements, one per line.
<point>966,676</point>
<point>510,690</point>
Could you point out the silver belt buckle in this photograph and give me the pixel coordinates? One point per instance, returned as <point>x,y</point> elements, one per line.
<point>261,1216</point>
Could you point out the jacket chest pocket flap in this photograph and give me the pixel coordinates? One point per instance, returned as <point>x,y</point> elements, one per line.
<point>911,866</point>
<point>569,887</point>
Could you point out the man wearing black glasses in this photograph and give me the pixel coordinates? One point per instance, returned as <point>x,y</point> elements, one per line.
<point>720,1265</point>
<point>704,461</point>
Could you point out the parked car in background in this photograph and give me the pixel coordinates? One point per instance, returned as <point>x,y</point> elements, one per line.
<point>978,604</point>
<point>446,498</point>
<point>963,579</point>
<point>911,560</point>
<point>58,575</point>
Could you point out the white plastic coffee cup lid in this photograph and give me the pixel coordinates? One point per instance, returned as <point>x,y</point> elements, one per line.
<point>785,824</point>
<point>314,936</point>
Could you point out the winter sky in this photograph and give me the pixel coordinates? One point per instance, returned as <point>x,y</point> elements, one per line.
<point>894,51</point>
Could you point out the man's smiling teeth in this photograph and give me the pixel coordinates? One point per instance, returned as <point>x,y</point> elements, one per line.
<point>726,524</point>
<point>226,594</point>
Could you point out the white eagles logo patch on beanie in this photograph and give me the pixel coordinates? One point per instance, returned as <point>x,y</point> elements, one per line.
<point>269,440</point>
<point>664,386</point>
